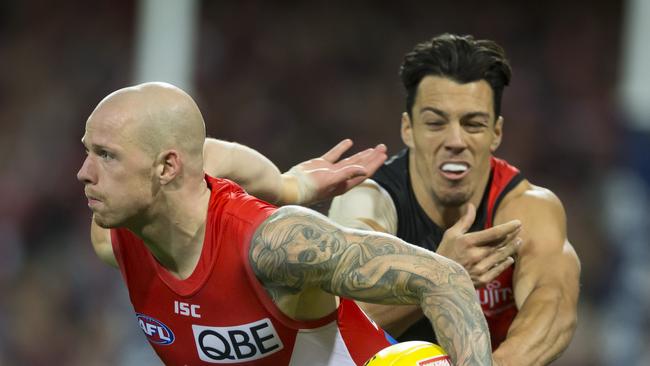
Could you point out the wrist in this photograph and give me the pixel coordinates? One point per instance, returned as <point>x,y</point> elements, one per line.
<point>288,190</point>
<point>297,188</point>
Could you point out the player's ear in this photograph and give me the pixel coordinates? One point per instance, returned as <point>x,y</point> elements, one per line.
<point>407,130</point>
<point>497,133</point>
<point>168,166</point>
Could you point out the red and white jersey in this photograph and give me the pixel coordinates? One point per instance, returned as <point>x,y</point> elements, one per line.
<point>221,314</point>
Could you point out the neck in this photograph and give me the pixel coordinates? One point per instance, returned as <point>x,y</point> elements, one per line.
<point>175,228</point>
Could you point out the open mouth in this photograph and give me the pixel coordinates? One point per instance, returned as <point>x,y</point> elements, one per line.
<point>454,170</point>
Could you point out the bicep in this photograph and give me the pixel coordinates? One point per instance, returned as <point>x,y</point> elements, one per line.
<point>101,240</point>
<point>546,257</point>
<point>367,206</point>
<point>296,249</point>
<point>557,271</point>
<point>243,165</point>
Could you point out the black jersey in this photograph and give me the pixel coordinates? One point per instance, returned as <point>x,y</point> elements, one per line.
<point>415,227</point>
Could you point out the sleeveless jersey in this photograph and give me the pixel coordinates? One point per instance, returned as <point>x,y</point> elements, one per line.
<point>414,226</point>
<point>221,314</point>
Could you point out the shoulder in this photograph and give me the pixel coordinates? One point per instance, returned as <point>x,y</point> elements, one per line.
<point>366,206</point>
<point>369,191</point>
<point>287,216</point>
<point>542,216</point>
<point>526,199</point>
<point>290,225</point>
<point>232,200</point>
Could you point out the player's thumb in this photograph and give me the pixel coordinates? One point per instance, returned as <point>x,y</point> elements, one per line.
<point>465,222</point>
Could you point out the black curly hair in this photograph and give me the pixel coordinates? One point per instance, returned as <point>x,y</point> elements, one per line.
<point>459,58</point>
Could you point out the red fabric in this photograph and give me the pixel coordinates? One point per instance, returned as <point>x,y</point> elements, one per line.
<point>497,298</point>
<point>362,336</point>
<point>221,313</point>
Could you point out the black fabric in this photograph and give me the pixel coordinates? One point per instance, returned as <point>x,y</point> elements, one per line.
<point>415,227</point>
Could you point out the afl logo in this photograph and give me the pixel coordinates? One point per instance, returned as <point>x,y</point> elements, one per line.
<point>155,330</point>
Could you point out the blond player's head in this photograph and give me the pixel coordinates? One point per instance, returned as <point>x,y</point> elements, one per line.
<point>143,144</point>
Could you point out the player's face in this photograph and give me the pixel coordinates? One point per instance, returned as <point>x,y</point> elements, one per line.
<point>117,174</point>
<point>451,137</point>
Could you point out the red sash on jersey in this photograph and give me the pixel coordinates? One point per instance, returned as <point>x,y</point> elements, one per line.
<point>497,297</point>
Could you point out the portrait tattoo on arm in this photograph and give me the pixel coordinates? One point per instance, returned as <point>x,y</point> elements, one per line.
<point>297,249</point>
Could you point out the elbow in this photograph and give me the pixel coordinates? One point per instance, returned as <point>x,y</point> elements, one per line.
<point>562,340</point>
<point>566,322</point>
<point>569,330</point>
<point>459,272</point>
<point>452,278</point>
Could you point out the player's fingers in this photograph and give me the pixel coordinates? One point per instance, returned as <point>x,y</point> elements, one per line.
<point>495,234</point>
<point>335,153</point>
<point>374,160</point>
<point>359,158</point>
<point>349,172</point>
<point>498,255</point>
<point>473,256</point>
<point>370,159</point>
<point>508,239</point>
<point>493,273</point>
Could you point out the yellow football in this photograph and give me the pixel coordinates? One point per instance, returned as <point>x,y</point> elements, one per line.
<point>412,353</point>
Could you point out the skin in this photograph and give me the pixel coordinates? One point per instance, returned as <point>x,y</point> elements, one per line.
<point>144,172</point>
<point>330,175</point>
<point>140,163</point>
<point>456,122</point>
<point>298,255</point>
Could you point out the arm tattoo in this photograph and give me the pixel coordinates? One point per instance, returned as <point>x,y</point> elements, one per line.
<point>296,249</point>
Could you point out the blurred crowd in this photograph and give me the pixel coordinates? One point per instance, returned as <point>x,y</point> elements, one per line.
<point>290,79</point>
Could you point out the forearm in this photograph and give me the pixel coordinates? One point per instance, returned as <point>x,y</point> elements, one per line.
<point>258,175</point>
<point>458,320</point>
<point>296,250</point>
<point>243,165</point>
<point>541,331</point>
<point>442,289</point>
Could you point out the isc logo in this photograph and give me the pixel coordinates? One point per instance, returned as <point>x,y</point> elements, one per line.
<point>186,309</point>
<point>242,343</point>
<point>155,330</point>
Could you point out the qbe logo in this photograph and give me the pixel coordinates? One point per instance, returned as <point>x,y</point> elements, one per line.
<point>155,330</point>
<point>246,342</point>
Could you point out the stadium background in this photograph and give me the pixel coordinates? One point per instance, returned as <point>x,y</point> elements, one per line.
<point>290,79</point>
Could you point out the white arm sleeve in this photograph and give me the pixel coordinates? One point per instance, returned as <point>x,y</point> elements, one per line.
<point>367,206</point>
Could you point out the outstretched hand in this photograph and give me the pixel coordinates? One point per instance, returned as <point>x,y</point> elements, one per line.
<point>484,254</point>
<point>329,175</point>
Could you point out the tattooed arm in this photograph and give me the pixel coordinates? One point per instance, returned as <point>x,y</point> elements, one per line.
<point>299,255</point>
